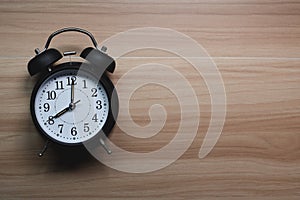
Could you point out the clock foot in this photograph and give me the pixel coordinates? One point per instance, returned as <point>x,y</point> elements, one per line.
<point>41,153</point>
<point>105,146</point>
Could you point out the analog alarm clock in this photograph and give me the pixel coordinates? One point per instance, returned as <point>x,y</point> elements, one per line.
<point>73,102</point>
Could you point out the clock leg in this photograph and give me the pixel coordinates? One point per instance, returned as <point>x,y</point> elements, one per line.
<point>105,146</point>
<point>41,153</point>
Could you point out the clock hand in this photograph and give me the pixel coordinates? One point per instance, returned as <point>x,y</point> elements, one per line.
<point>60,113</point>
<point>72,91</point>
<point>63,111</point>
<point>73,105</point>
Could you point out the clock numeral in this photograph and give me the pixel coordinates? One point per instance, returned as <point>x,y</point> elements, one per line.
<point>46,107</point>
<point>84,84</point>
<point>50,120</point>
<point>51,95</point>
<point>59,85</point>
<point>71,79</point>
<point>94,91</point>
<point>95,118</point>
<point>60,126</point>
<point>99,104</point>
<point>73,131</point>
<point>86,127</point>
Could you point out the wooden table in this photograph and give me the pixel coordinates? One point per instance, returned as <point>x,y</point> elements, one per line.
<point>254,43</point>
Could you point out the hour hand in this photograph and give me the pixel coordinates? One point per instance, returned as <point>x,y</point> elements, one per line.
<point>60,113</point>
<point>63,111</point>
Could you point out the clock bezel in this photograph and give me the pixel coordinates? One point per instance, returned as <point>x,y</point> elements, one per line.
<point>113,107</point>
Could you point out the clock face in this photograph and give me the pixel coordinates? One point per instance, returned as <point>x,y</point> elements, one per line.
<point>70,108</point>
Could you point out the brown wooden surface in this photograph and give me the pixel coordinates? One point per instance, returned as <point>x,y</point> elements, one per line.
<point>256,46</point>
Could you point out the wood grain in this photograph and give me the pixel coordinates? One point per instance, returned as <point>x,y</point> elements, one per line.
<point>256,46</point>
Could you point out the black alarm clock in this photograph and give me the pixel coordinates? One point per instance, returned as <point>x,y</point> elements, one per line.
<point>73,102</point>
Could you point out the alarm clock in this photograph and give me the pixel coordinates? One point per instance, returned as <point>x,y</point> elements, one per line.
<point>73,103</point>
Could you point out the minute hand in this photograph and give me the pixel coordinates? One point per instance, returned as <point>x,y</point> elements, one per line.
<point>72,92</point>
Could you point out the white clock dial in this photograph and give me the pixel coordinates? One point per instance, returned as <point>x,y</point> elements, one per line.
<point>71,108</point>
